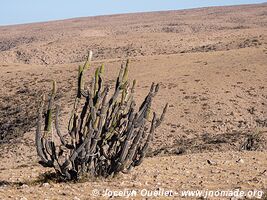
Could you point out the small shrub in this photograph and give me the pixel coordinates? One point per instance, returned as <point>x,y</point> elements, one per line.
<point>105,135</point>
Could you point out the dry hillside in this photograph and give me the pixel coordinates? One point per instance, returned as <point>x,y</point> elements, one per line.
<point>211,66</point>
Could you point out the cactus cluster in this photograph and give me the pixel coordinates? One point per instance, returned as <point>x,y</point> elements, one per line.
<point>106,135</point>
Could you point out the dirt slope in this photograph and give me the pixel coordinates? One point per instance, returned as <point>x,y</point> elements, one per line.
<point>22,178</point>
<point>211,66</point>
<point>120,36</point>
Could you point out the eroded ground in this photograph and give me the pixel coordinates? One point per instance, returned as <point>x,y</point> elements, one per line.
<point>211,66</point>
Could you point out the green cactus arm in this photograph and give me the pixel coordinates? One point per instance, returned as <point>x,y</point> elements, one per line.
<point>96,81</point>
<point>125,73</point>
<point>81,70</point>
<point>102,69</point>
<point>159,121</point>
<point>38,135</point>
<point>58,129</point>
<point>48,120</point>
<point>88,60</point>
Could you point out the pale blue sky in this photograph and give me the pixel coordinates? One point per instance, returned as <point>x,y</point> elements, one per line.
<point>26,11</point>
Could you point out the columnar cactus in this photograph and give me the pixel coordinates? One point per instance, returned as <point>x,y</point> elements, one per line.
<point>105,135</point>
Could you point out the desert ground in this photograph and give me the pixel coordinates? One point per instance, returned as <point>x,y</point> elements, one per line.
<point>211,67</point>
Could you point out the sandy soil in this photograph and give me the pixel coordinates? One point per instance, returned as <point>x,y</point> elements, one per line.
<point>211,66</point>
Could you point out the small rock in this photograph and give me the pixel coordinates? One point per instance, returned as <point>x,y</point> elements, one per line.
<point>23,198</point>
<point>215,171</point>
<point>249,197</point>
<point>24,186</point>
<point>76,198</point>
<point>211,162</point>
<point>235,198</point>
<point>240,160</point>
<point>3,186</point>
<point>46,185</point>
<point>137,184</point>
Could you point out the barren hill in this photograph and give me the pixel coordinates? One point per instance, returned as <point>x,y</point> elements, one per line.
<point>142,34</point>
<point>211,67</point>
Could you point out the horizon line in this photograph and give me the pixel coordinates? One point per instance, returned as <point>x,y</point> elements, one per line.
<point>125,13</point>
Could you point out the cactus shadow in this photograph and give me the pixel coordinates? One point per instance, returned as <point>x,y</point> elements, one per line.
<point>49,177</point>
<point>4,183</point>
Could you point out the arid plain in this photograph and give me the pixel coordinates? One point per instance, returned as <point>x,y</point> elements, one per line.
<point>211,67</point>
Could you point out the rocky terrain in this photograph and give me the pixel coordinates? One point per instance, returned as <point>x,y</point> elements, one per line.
<point>211,66</point>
